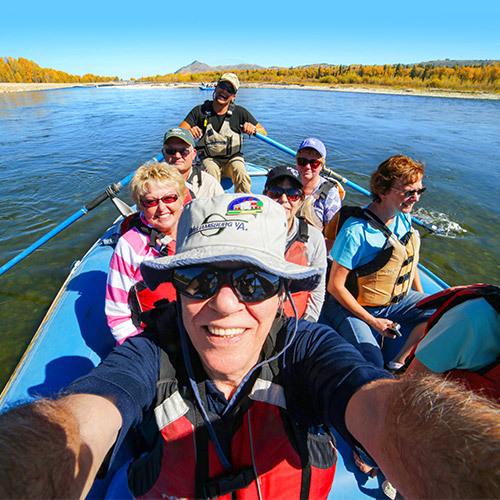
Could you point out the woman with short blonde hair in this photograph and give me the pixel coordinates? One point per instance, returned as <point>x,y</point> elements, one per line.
<point>159,191</point>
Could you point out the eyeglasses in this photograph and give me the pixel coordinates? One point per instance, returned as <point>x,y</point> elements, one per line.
<point>248,284</point>
<point>411,192</point>
<point>172,151</point>
<point>169,198</point>
<point>227,87</point>
<point>303,162</point>
<point>275,193</point>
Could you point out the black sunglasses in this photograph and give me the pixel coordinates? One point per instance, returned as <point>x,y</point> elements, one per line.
<point>172,151</point>
<point>411,192</point>
<point>275,193</point>
<point>227,87</point>
<point>248,284</point>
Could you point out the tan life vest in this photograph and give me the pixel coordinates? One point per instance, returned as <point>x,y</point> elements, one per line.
<point>222,144</point>
<point>307,208</point>
<point>388,277</point>
<point>390,284</point>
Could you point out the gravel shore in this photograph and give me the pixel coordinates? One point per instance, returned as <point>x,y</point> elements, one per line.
<point>30,87</point>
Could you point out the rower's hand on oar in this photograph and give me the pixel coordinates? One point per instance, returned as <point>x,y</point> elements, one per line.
<point>249,128</point>
<point>384,327</point>
<point>196,132</point>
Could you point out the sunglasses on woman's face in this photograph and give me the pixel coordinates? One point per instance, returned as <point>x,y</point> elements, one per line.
<point>249,284</point>
<point>411,192</point>
<point>275,193</point>
<point>303,162</point>
<point>169,198</point>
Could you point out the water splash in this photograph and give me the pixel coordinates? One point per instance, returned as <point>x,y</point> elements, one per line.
<point>442,223</point>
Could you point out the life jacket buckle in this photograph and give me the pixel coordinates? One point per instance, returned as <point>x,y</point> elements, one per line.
<point>221,486</point>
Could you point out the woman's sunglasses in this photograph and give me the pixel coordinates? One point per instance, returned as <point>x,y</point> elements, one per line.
<point>275,193</point>
<point>170,198</point>
<point>303,162</point>
<point>411,192</point>
<point>248,284</point>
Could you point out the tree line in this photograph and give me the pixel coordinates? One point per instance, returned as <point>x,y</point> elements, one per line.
<point>24,71</point>
<point>420,76</point>
<point>480,77</point>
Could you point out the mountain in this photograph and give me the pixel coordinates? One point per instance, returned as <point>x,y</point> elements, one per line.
<point>453,62</point>
<point>199,67</point>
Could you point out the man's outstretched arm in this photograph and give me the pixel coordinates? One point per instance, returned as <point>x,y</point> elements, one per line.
<point>54,448</point>
<point>429,436</point>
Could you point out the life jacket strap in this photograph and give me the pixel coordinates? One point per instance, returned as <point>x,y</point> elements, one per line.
<point>227,484</point>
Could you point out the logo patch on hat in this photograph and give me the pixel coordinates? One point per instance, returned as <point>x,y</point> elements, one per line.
<point>245,205</point>
<point>215,223</point>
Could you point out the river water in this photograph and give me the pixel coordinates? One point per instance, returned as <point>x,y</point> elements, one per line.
<point>59,149</point>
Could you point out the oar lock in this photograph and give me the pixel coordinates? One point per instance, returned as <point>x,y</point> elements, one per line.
<point>112,190</point>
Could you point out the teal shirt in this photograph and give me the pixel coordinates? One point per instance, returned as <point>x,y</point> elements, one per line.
<point>466,337</point>
<point>359,243</point>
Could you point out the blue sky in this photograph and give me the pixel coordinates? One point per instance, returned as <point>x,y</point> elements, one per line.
<point>134,39</point>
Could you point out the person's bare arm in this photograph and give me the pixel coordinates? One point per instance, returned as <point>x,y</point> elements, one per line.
<point>54,448</point>
<point>261,129</point>
<point>417,284</point>
<point>196,131</point>
<point>336,287</point>
<point>429,436</point>
<point>417,367</point>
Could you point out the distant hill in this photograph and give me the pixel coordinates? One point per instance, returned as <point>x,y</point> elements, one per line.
<point>199,67</point>
<point>449,63</point>
<point>440,62</point>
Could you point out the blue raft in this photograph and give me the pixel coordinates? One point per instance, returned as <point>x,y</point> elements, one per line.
<point>74,337</point>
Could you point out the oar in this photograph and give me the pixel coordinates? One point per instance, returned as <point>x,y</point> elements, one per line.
<point>111,192</point>
<point>332,174</point>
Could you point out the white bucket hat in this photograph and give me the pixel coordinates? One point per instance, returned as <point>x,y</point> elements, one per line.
<point>244,228</point>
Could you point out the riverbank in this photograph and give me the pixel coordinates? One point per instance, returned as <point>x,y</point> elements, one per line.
<point>31,87</point>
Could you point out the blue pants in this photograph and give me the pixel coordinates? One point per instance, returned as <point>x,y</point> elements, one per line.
<point>366,339</point>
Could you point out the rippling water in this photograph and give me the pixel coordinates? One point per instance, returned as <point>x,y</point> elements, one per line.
<point>59,149</point>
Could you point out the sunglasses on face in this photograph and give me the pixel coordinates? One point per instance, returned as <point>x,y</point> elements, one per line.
<point>303,162</point>
<point>248,284</point>
<point>227,87</point>
<point>169,198</point>
<point>275,193</point>
<point>410,193</point>
<point>184,152</point>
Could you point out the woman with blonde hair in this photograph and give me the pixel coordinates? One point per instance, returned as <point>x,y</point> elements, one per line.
<point>160,193</point>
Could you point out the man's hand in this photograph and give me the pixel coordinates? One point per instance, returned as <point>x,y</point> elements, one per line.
<point>53,449</point>
<point>249,129</point>
<point>196,132</point>
<point>429,436</point>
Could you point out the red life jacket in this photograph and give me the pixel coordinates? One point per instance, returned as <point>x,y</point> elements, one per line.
<point>296,253</point>
<point>262,437</point>
<point>141,298</point>
<point>486,380</point>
